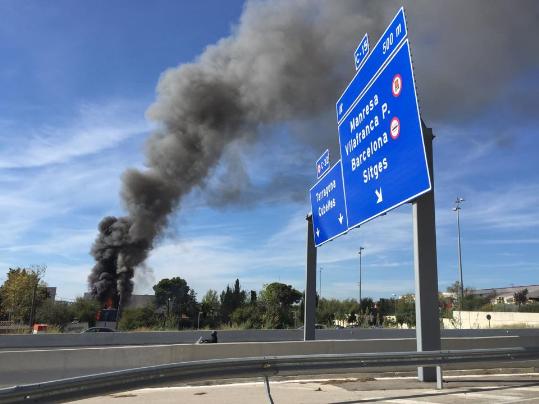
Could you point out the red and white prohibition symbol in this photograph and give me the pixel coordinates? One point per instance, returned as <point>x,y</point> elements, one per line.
<point>396,85</point>
<point>395,128</point>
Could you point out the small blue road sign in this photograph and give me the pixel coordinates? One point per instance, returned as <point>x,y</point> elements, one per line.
<point>322,164</point>
<point>328,206</point>
<point>382,151</point>
<point>390,40</point>
<point>361,52</point>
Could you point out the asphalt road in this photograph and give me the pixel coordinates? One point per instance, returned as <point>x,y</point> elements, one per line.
<point>190,336</point>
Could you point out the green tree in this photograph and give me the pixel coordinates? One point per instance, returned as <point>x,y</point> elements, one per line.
<point>210,308</point>
<point>141,317</point>
<point>277,300</point>
<point>406,310</point>
<point>176,296</point>
<point>18,292</point>
<point>454,289</point>
<point>386,307</point>
<point>475,302</point>
<point>54,313</point>
<point>252,297</point>
<point>331,310</point>
<point>231,299</point>
<point>85,310</point>
<point>445,304</point>
<point>3,312</point>
<point>248,316</point>
<point>521,297</point>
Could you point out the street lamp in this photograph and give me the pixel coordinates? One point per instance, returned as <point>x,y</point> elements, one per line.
<point>359,252</point>
<point>457,208</point>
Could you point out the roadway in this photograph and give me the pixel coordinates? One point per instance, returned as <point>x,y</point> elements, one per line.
<point>12,342</point>
<point>476,388</point>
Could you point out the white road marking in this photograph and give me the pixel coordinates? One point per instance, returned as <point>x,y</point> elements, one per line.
<point>495,396</point>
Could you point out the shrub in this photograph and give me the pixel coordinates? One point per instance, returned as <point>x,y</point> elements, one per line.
<point>529,308</point>
<point>143,317</point>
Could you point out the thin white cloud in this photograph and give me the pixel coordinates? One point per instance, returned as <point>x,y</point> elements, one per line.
<point>94,128</point>
<point>215,261</point>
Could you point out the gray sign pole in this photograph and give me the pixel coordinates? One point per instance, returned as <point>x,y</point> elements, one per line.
<point>310,284</point>
<point>425,270</point>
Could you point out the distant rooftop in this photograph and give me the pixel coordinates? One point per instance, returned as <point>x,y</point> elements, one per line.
<point>135,301</point>
<point>533,291</point>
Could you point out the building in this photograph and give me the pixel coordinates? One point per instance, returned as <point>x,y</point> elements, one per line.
<point>506,295</point>
<point>135,301</point>
<point>51,292</point>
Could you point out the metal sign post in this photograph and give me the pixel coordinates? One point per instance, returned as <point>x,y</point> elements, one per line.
<point>425,270</point>
<point>310,284</point>
<point>386,161</point>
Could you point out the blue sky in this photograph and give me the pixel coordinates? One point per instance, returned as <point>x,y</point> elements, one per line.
<point>76,79</point>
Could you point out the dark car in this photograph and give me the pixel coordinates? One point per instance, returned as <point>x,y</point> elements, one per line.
<point>98,329</point>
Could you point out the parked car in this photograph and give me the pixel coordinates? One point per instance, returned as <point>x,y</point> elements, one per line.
<point>98,329</point>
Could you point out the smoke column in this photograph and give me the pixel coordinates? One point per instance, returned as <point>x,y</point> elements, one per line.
<point>267,71</point>
<point>285,60</point>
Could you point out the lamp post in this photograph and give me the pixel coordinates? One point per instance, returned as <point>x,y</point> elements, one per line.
<point>360,253</point>
<point>457,208</point>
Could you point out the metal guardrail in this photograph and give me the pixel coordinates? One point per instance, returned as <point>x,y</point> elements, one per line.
<point>122,380</point>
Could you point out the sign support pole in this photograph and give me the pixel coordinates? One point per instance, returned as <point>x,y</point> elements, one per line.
<point>425,270</point>
<point>310,285</point>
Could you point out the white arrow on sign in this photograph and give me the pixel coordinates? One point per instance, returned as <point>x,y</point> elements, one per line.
<point>317,232</point>
<point>378,193</point>
<point>340,218</point>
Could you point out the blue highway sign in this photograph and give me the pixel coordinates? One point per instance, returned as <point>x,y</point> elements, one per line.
<point>393,36</point>
<point>322,164</point>
<point>328,206</point>
<point>382,151</point>
<point>361,52</point>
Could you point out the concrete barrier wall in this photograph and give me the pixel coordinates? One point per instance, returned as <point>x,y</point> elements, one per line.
<point>478,319</point>
<point>30,366</point>
<point>182,337</point>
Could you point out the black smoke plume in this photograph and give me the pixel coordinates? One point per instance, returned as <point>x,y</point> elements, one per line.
<point>288,61</point>
<point>278,63</point>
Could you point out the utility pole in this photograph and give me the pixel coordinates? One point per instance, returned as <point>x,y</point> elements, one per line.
<point>457,208</point>
<point>360,253</point>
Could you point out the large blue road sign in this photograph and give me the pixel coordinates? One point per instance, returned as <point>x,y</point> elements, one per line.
<point>322,164</point>
<point>393,36</point>
<point>381,141</point>
<point>328,206</point>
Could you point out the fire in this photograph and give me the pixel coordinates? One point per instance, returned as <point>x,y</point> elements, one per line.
<point>109,303</point>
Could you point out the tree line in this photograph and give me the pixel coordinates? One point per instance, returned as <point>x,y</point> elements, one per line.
<point>24,300</point>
